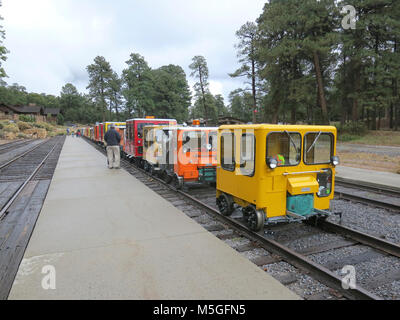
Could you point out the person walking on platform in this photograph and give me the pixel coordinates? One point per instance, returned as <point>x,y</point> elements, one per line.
<point>113,139</point>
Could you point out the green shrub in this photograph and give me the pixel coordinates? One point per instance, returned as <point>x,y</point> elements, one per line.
<point>345,137</point>
<point>62,133</point>
<point>1,134</point>
<point>48,127</point>
<point>26,118</point>
<point>12,127</point>
<point>24,126</point>
<point>39,125</point>
<point>4,123</point>
<point>353,128</point>
<point>60,119</point>
<point>21,135</point>
<point>44,125</point>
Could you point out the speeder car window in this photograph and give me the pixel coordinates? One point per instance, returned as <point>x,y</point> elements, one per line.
<point>285,147</point>
<point>318,147</point>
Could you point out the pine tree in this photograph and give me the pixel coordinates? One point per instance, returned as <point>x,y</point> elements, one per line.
<point>114,94</point>
<point>279,58</point>
<point>241,105</point>
<point>137,86</point>
<point>171,92</point>
<point>200,72</point>
<point>3,53</point>
<point>100,75</point>
<point>369,65</point>
<point>247,51</point>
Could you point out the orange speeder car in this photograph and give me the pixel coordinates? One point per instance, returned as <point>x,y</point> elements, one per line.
<point>195,155</point>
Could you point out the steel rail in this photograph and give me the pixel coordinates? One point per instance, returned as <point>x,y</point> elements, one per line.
<point>22,155</point>
<point>376,203</point>
<point>21,188</point>
<point>15,146</point>
<point>374,242</point>
<point>12,144</point>
<point>300,261</point>
<point>368,186</point>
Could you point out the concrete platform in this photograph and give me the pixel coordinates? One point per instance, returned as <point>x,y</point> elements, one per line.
<point>371,177</point>
<point>110,237</point>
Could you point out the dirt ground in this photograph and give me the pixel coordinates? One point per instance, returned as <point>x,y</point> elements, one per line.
<point>4,141</point>
<point>379,158</point>
<point>380,138</point>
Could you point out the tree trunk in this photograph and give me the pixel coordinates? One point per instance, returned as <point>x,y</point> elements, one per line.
<point>103,102</point>
<point>103,107</point>
<point>395,104</point>
<point>317,107</point>
<point>344,99</point>
<point>308,114</point>
<point>396,112</point>
<point>253,80</point>
<point>375,108</point>
<point>354,112</point>
<point>373,116</point>
<point>379,120</point>
<point>117,111</point>
<point>343,115</point>
<point>203,97</point>
<point>276,102</point>
<point>320,88</point>
<point>391,115</point>
<point>293,115</point>
<point>363,113</point>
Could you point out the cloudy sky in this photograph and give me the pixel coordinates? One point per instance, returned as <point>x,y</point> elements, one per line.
<point>52,41</point>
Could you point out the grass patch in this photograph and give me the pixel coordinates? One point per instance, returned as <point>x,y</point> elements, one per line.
<point>377,138</point>
<point>22,135</point>
<point>44,125</point>
<point>345,137</point>
<point>12,127</point>
<point>370,161</point>
<point>24,125</point>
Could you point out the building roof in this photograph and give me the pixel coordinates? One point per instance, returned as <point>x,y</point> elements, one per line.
<point>30,109</point>
<point>25,109</point>
<point>4,108</point>
<point>52,111</point>
<point>229,120</point>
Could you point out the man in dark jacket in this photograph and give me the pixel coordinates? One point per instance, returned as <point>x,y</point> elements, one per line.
<point>113,139</point>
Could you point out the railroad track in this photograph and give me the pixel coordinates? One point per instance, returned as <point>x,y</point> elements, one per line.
<point>370,194</point>
<point>22,154</point>
<point>20,168</point>
<point>15,145</point>
<point>10,145</point>
<point>194,203</point>
<point>377,188</point>
<point>24,183</point>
